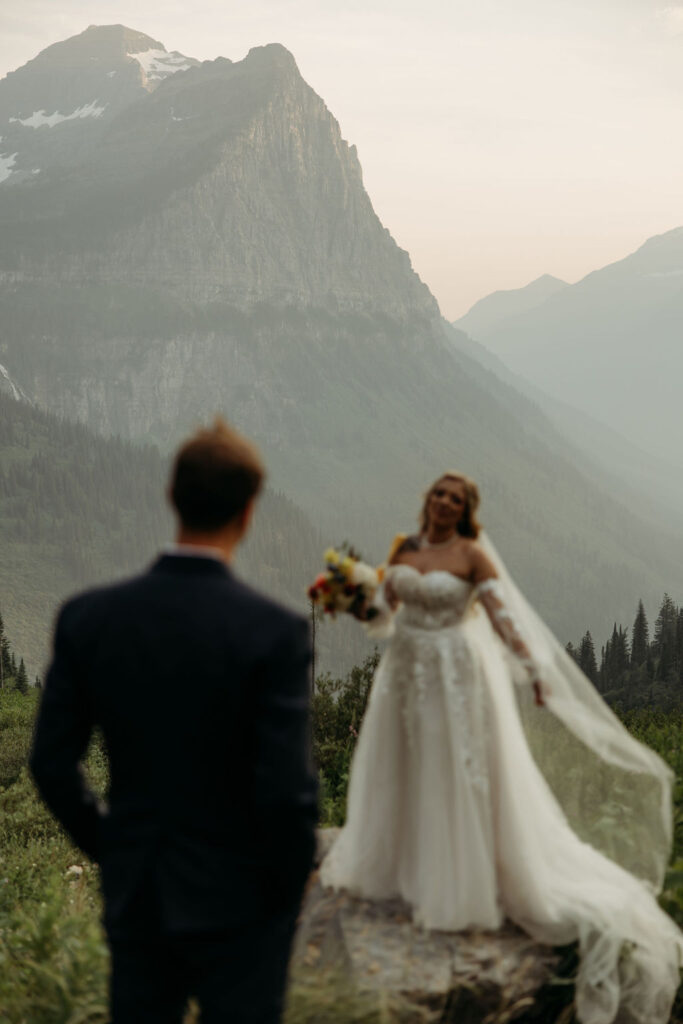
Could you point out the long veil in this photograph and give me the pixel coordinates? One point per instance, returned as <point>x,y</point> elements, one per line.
<point>614,791</point>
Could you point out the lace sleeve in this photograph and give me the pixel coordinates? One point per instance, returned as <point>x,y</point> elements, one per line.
<point>490,594</point>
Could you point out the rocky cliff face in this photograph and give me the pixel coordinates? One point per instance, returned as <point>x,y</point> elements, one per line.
<point>210,246</point>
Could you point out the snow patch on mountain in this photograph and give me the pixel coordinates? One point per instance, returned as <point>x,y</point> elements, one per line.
<point>40,119</point>
<point>158,64</point>
<point>6,165</point>
<point>17,393</point>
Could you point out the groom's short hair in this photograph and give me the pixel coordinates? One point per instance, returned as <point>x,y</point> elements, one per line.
<point>215,474</point>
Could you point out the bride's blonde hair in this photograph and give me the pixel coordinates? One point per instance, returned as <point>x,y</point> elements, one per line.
<point>469,525</point>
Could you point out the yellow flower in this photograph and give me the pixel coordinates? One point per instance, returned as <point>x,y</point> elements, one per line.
<point>331,556</point>
<point>346,566</point>
<point>395,545</point>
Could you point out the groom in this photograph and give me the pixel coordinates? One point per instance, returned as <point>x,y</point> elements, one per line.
<point>199,686</point>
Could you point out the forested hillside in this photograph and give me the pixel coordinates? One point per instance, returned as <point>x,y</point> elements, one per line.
<point>77,509</point>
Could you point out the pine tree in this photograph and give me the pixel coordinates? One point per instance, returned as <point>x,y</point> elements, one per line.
<point>640,637</point>
<point>21,682</point>
<point>2,652</point>
<point>616,663</point>
<point>572,652</point>
<point>587,662</point>
<point>7,666</point>
<point>664,643</point>
<point>607,674</point>
<point>666,620</point>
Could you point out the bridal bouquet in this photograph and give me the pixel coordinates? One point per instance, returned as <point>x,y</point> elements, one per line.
<point>346,585</point>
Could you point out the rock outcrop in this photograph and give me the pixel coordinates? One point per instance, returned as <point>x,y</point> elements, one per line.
<point>375,950</point>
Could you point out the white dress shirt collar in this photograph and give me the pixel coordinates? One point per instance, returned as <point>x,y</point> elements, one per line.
<point>193,551</point>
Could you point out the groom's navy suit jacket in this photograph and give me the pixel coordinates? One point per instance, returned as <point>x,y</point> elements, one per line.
<point>200,688</point>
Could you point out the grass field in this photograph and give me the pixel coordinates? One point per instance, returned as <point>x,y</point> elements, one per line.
<point>53,959</point>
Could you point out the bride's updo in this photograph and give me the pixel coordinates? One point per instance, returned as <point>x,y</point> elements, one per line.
<point>469,525</point>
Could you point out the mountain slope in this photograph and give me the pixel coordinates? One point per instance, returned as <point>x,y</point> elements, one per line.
<point>634,477</point>
<point>217,251</point>
<point>610,344</point>
<point>77,509</point>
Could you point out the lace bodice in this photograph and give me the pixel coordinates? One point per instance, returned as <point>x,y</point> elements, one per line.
<point>440,600</point>
<point>433,600</point>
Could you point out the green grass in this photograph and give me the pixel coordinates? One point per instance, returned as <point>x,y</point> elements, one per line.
<point>53,961</point>
<point>53,956</point>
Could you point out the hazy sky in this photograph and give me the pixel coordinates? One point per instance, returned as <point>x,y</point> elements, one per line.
<point>499,139</point>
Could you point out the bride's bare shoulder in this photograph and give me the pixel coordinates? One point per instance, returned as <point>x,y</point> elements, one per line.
<point>480,562</point>
<point>403,545</point>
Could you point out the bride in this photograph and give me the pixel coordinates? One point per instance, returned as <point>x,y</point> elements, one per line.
<point>475,800</point>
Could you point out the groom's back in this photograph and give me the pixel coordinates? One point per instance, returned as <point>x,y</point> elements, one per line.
<point>180,668</point>
<point>170,657</point>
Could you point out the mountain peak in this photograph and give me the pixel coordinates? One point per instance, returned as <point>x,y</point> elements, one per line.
<point>56,106</point>
<point>98,43</point>
<point>273,55</point>
<point>547,280</point>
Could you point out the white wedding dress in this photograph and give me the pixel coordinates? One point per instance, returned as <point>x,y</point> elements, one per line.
<point>449,810</point>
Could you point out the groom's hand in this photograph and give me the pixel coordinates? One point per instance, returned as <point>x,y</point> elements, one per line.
<point>62,732</point>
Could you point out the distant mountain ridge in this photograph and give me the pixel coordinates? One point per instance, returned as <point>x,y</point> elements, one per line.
<point>492,309</point>
<point>610,344</point>
<point>216,250</point>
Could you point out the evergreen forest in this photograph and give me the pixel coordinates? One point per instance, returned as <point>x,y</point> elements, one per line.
<point>640,667</point>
